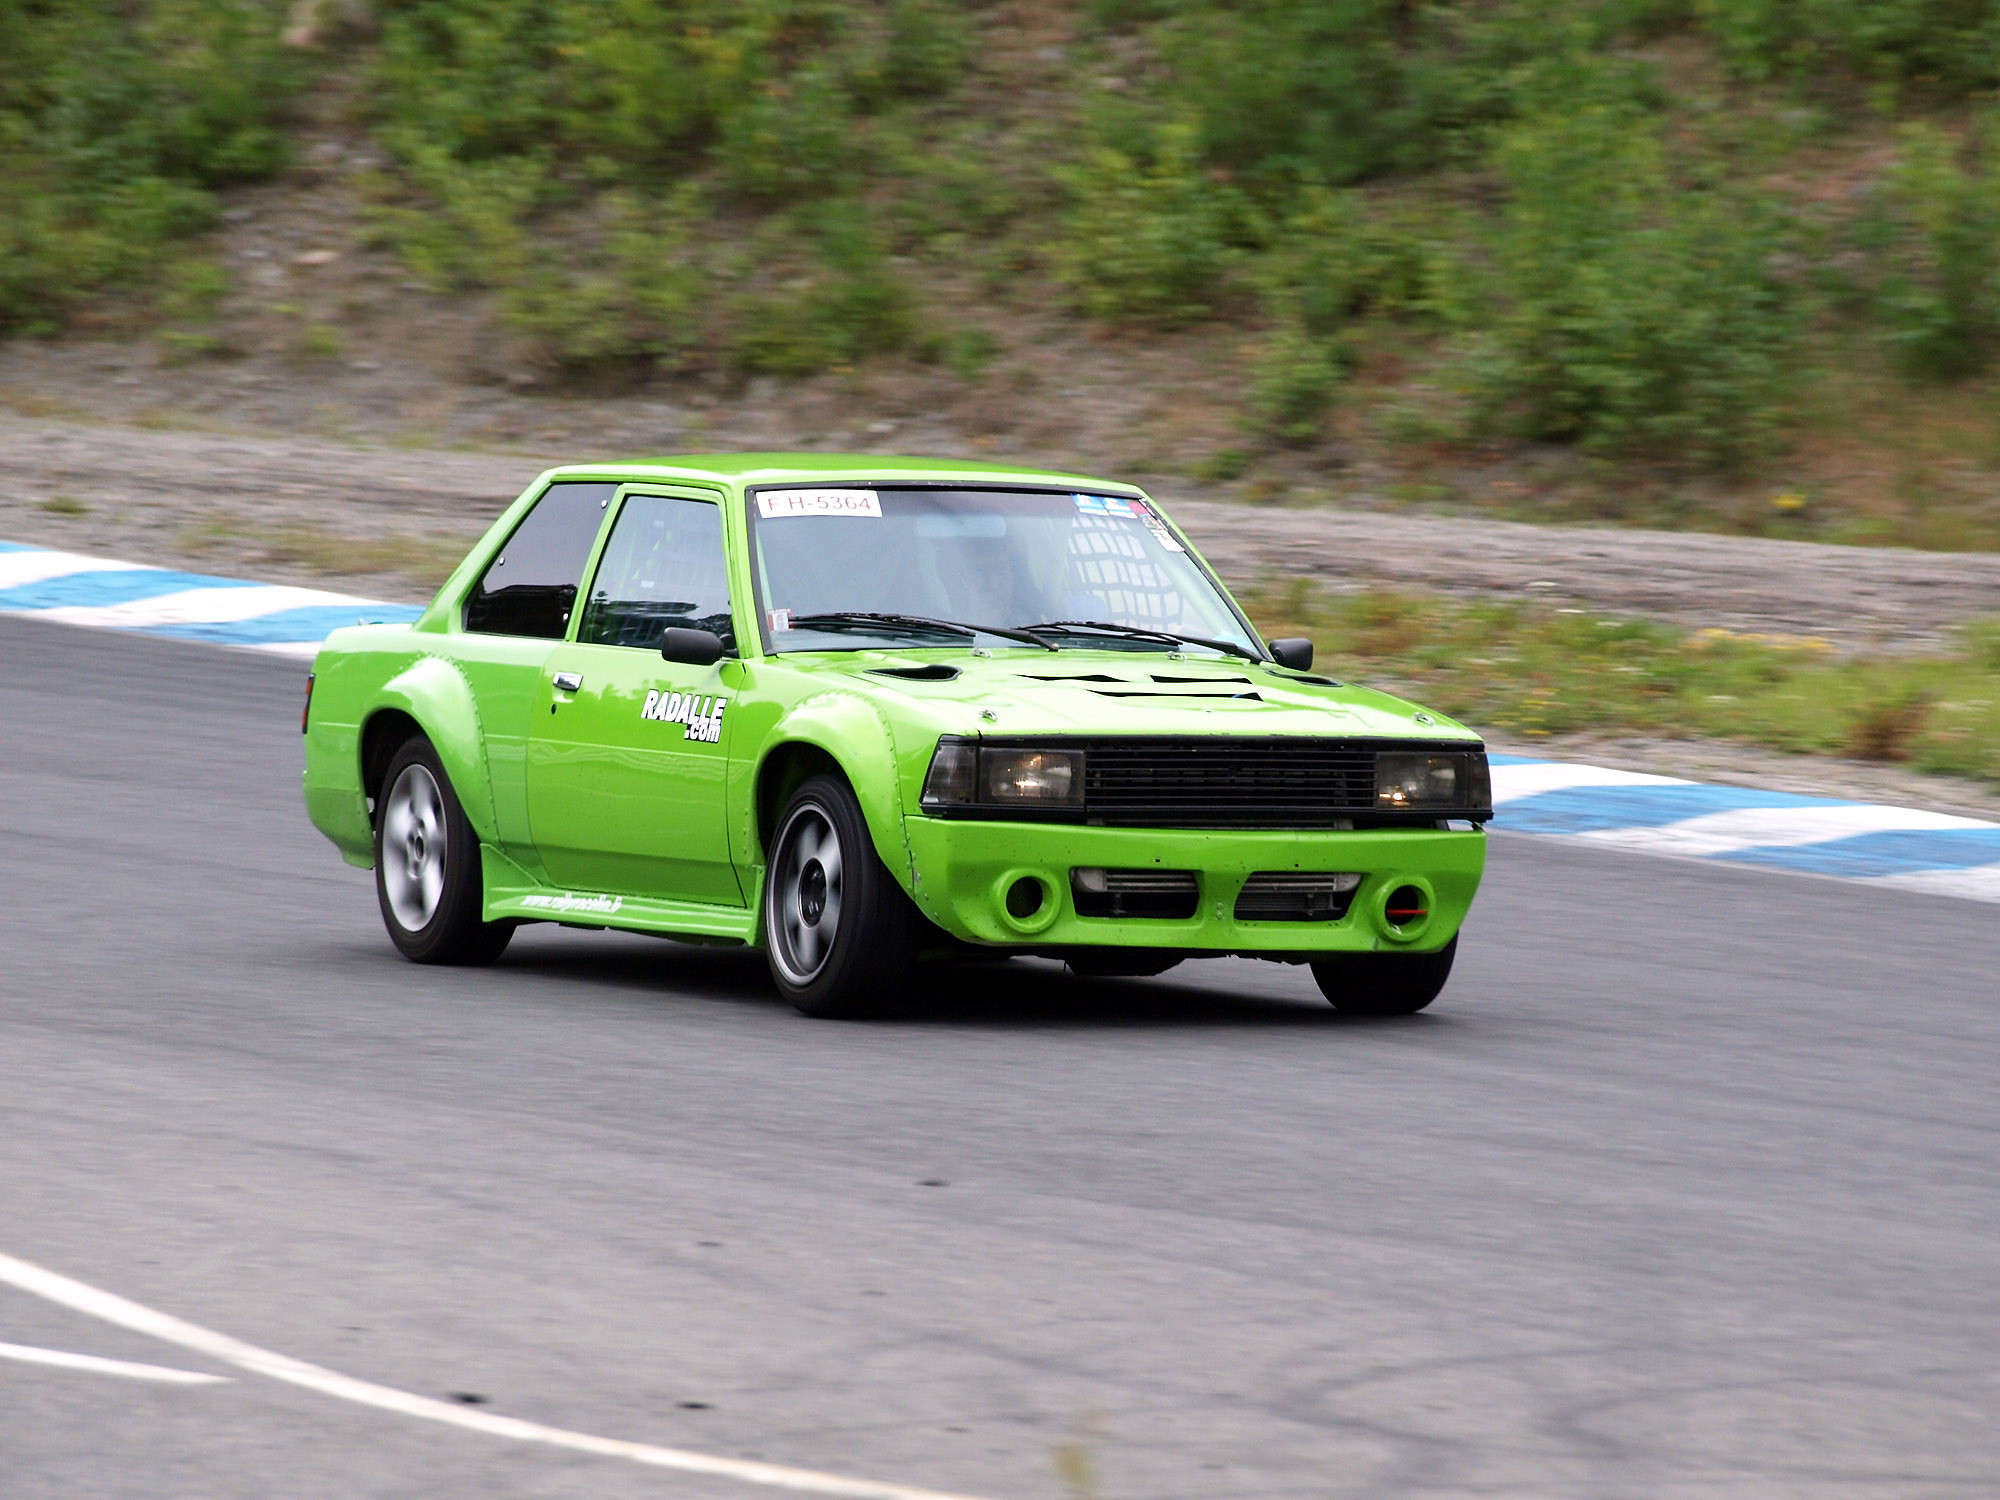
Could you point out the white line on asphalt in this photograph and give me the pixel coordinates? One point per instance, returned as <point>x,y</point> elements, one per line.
<point>114,1309</point>
<point>27,1354</point>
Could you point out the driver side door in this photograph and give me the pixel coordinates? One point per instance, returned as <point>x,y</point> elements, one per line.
<point>628,756</point>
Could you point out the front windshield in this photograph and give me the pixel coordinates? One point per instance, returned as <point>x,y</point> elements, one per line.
<point>1003,559</point>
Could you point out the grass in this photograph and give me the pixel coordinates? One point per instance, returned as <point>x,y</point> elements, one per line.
<point>1526,671</point>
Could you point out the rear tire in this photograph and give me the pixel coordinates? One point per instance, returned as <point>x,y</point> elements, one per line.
<point>840,935</point>
<point>427,873</point>
<point>1384,984</point>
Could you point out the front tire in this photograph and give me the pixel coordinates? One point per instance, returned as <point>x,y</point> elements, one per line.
<point>427,875</point>
<point>1384,984</point>
<point>839,934</point>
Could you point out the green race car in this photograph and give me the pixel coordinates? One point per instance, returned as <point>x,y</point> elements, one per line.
<point>863,711</point>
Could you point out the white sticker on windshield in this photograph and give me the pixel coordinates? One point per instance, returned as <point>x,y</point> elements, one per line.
<point>1104,505</point>
<point>773,504</point>
<point>1158,527</point>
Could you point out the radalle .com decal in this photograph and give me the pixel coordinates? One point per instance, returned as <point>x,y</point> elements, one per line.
<point>702,716</point>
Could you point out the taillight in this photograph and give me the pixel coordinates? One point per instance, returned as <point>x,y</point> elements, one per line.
<point>305,713</point>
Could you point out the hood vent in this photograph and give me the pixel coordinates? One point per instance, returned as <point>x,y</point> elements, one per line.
<point>1211,681</point>
<point>1170,697</point>
<point>1069,677</point>
<point>1300,677</point>
<point>936,671</point>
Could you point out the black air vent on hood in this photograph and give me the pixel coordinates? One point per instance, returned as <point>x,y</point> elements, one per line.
<point>1068,677</point>
<point>1170,697</point>
<point>936,671</point>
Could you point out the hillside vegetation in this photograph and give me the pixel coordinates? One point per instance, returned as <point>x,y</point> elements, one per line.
<point>1721,262</point>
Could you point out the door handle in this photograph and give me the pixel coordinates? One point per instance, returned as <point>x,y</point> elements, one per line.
<point>569,682</point>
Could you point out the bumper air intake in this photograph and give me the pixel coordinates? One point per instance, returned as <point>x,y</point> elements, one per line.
<point>1162,895</point>
<point>1295,896</point>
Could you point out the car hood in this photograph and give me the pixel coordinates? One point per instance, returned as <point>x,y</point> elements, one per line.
<point>1078,692</point>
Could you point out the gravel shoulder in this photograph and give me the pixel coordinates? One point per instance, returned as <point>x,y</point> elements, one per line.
<point>389,522</point>
<point>1856,597</point>
<point>392,520</point>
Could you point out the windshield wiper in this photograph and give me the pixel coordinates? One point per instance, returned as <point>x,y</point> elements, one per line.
<point>864,619</point>
<point>1140,633</point>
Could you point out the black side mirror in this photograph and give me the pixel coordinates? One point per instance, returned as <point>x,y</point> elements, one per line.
<point>698,648</point>
<point>1294,651</point>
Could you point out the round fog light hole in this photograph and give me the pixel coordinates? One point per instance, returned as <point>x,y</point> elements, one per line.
<point>1024,898</point>
<point>1406,905</point>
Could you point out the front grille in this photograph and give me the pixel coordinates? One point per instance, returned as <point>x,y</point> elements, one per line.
<point>1295,896</point>
<point>1163,895</point>
<point>1227,783</point>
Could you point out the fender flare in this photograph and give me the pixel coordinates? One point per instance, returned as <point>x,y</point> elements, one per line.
<point>432,691</point>
<point>855,735</point>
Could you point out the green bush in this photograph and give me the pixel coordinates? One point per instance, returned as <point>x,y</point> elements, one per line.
<point>117,122</point>
<point>831,298</point>
<point>1293,384</point>
<point>791,139</point>
<point>1334,261</point>
<point>1940,252</point>
<point>1342,91</point>
<point>628,294</point>
<point>920,51</point>
<point>1146,240</point>
<point>554,149</point>
<point>1634,312</point>
<point>1949,46</point>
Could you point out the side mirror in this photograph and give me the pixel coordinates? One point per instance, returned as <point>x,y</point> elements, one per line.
<point>697,648</point>
<point>1294,651</point>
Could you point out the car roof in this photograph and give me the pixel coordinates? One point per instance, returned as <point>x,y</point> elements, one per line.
<point>743,469</point>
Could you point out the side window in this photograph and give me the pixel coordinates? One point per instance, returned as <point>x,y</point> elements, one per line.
<point>530,588</point>
<point>663,566</point>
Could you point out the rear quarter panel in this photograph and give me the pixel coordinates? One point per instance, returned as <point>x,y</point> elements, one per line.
<point>369,671</point>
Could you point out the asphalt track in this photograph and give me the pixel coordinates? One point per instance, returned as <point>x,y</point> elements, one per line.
<point>1688,1186</point>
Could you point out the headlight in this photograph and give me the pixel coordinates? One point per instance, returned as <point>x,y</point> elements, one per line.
<point>964,774</point>
<point>953,774</point>
<point>1045,776</point>
<point>1418,781</point>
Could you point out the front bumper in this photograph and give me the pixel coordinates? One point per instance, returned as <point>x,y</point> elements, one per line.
<point>962,870</point>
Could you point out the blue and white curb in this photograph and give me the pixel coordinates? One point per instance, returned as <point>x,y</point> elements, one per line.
<point>1896,847</point>
<point>72,589</point>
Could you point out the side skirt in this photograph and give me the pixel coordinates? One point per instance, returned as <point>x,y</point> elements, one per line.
<point>513,894</point>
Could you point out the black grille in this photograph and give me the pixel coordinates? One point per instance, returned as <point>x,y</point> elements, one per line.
<point>1164,895</point>
<point>1228,783</point>
<point>1295,896</point>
